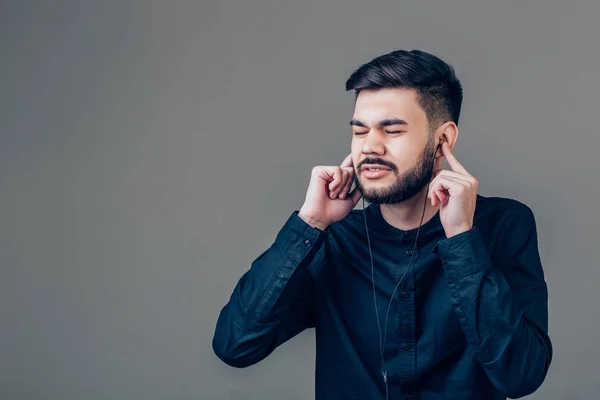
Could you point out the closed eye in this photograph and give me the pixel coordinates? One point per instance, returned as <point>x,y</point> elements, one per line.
<point>388,132</point>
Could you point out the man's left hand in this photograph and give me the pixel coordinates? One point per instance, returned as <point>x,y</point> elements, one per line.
<point>456,193</point>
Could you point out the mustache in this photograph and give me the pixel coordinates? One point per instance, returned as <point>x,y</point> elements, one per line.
<point>378,161</point>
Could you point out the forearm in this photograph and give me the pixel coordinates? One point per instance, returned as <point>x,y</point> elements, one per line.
<point>273,300</point>
<point>514,351</point>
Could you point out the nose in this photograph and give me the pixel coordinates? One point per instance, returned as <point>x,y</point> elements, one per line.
<point>373,143</point>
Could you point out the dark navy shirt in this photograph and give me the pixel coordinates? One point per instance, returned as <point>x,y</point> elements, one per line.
<point>468,321</point>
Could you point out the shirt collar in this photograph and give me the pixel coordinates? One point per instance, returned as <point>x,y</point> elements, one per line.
<point>379,226</point>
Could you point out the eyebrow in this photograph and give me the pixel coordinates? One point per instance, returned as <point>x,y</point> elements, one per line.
<point>384,122</point>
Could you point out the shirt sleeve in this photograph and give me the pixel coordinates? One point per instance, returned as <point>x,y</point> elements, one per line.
<point>502,306</point>
<point>274,300</point>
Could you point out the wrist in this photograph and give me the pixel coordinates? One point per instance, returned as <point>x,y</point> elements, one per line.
<point>314,222</point>
<point>459,230</point>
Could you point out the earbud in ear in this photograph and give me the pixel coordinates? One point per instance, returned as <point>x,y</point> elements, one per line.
<point>442,140</point>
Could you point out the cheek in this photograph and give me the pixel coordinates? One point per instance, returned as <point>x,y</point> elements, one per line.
<point>405,153</point>
<point>355,150</point>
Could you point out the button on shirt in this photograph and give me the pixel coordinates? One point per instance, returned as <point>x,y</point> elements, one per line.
<point>468,320</point>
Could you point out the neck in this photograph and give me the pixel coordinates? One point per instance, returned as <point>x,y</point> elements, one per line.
<point>406,215</point>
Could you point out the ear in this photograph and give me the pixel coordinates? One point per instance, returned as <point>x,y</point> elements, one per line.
<point>447,132</point>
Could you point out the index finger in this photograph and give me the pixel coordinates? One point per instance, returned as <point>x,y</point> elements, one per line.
<point>454,164</point>
<point>347,161</point>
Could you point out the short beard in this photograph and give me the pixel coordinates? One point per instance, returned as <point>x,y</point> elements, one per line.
<point>407,185</point>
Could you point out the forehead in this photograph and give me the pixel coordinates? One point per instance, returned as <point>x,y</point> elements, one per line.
<point>374,105</point>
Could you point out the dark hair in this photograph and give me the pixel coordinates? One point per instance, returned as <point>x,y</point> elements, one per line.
<point>438,89</point>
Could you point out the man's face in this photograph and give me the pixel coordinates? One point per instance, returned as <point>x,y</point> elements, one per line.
<point>391,131</point>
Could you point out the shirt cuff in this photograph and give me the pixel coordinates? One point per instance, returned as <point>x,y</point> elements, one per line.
<point>297,238</point>
<point>463,255</point>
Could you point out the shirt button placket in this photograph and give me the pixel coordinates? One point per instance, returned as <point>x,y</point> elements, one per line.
<point>406,324</point>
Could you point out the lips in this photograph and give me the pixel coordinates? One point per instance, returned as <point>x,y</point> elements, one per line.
<point>374,172</point>
<point>375,168</point>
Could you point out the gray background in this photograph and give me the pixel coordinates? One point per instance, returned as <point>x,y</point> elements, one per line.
<point>150,150</point>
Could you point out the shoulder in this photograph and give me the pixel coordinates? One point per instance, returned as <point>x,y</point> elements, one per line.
<point>508,227</point>
<point>506,224</point>
<point>502,211</point>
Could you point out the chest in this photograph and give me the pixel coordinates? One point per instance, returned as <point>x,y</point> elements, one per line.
<point>399,294</point>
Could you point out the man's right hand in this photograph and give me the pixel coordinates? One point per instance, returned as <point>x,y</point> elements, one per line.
<point>328,199</point>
